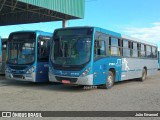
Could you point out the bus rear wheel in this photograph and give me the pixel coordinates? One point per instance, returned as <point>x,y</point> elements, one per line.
<point>144,75</point>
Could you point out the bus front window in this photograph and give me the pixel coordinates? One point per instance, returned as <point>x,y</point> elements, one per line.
<point>21,48</point>
<point>71,50</point>
<point>21,52</point>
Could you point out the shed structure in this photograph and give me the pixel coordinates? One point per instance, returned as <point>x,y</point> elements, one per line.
<point>14,12</point>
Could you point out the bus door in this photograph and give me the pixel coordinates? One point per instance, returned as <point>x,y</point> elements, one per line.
<point>100,63</point>
<point>43,58</point>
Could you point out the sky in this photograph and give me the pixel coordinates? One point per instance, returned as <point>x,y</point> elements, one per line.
<point>135,18</point>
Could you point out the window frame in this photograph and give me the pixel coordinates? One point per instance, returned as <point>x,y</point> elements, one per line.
<point>119,47</point>
<point>100,36</point>
<point>128,48</point>
<point>134,49</point>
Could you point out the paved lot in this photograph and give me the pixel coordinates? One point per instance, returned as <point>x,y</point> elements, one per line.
<point>127,96</point>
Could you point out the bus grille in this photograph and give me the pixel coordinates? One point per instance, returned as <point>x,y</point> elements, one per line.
<point>18,67</point>
<point>18,76</point>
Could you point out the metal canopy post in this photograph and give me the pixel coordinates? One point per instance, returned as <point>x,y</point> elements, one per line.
<point>64,23</point>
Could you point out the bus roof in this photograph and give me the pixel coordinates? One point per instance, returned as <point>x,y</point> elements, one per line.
<point>109,32</point>
<point>112,33</point>
<point>38,31</point>
<point>97,28</point>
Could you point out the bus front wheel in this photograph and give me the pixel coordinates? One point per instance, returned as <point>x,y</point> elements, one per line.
<point>109,80</point>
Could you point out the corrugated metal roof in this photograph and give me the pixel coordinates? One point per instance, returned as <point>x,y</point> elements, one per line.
<point>14,12</point>
<point>70,7</point>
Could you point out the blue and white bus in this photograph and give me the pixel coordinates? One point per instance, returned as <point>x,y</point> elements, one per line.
<point>28,55</point>
<point>3,43</point>
<point>95,56</point>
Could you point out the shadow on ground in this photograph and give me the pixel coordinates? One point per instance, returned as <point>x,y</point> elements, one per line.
<point>55,86</point>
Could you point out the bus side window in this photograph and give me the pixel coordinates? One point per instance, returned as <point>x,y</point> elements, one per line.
<point>100,45</point>
<point>148,51</point>
<point>134,49</point>
<point>143,51</point>
<point>126,48</point>
<point>139,49</point>
<point>99,48</point>
<point>114,46</point>
<point>154,52</point>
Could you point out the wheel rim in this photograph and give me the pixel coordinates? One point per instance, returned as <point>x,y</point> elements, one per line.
<point>144,75</point>
<point>110,80</point>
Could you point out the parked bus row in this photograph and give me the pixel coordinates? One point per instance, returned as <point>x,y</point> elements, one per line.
<point>78,56</point>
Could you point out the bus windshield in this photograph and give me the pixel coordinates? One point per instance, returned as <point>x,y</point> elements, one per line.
<point>21,51</point>
<point>71,50</point>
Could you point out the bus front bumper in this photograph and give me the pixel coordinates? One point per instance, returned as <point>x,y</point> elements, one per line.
<point>21,77</point>
<point>87,80</point>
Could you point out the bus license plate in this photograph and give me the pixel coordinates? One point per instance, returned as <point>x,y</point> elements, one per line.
<point>66,81</point>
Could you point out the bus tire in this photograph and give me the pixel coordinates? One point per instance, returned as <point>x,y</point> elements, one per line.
<point>144,75</point>
<point>109,80</point>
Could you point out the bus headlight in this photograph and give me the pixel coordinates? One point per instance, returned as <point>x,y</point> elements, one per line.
<point>50,69</point>
<point>85,73</point>
<point>31,70</point>
<point>8,70</point>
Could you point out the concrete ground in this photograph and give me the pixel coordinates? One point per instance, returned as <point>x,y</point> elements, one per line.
<point>129,95</point>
